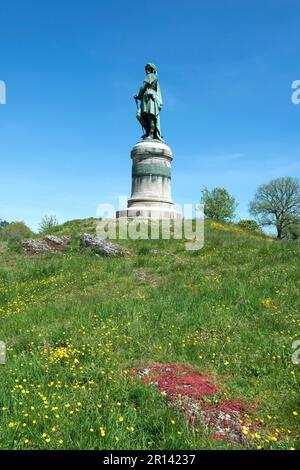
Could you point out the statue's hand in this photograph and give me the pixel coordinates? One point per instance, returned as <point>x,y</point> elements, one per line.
<point>136,97</point>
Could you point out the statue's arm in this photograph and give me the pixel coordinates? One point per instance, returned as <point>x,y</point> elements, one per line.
<point>141,92</point>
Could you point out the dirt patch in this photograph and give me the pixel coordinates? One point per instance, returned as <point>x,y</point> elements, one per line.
<point>3,247</point>
<point>144,277</point>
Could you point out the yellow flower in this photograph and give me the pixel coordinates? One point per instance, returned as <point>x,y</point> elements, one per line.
<point>173,421</point>
<point>295,413</point>
<point>266,302</point>
<point>12,424</point>
<point>121,419</point>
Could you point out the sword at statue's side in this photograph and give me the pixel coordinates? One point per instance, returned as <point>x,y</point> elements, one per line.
<point>137,107</point>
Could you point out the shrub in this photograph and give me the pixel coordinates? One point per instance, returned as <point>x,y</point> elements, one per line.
<point>49,223</point>
<point>292,232</point>
<point>15,231</point>
<point>250,225</point>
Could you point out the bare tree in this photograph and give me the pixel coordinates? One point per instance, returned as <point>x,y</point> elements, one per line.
<point>277,203</point>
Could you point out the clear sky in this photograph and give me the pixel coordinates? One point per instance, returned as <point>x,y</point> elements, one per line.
<point>71,68</point>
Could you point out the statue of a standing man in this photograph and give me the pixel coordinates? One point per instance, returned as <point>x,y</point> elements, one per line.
<point>151,104</point>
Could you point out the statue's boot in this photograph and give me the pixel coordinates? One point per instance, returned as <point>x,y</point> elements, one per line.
<point>142,122</point>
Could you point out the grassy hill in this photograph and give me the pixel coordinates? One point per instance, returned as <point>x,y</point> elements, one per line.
<point>75,325</point>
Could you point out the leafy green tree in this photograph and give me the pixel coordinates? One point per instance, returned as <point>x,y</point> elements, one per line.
<point>277,204</point>
<point>48,223</point>
<point>218,204</point>
<point>3,223</point>
<point>15,231</point>
<point>249,224</point>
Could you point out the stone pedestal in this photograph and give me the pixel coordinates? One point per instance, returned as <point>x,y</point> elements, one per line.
<point>151,182</point>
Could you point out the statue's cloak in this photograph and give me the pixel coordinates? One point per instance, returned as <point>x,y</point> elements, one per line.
<point>151,100</point>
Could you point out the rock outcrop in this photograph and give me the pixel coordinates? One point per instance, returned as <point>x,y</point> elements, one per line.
<point>48,244</point>
<point>102,247</point>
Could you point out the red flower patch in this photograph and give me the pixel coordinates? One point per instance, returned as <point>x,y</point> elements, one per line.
<point>194,393</point>
<point>177,380</point>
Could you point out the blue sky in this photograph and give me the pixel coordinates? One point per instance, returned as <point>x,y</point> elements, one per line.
<point>71,69</point>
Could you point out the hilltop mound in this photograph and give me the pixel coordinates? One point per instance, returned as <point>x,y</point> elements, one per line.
<point>75,326</point>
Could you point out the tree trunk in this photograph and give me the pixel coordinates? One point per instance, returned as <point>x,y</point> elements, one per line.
<point>279,232</point>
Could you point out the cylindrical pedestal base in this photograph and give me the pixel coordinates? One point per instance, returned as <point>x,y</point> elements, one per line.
<point>151,182</point>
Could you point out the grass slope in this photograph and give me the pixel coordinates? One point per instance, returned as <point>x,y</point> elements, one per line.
<point>75,324</point>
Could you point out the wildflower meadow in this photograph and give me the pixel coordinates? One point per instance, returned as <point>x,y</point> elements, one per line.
<point>77,328</point>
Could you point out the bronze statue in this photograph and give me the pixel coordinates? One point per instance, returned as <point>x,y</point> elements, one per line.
<point>151,104</point>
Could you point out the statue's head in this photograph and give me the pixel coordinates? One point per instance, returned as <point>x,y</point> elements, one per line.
<point>150,68</point>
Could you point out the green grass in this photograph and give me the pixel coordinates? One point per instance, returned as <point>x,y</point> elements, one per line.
<point>75,324</point>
